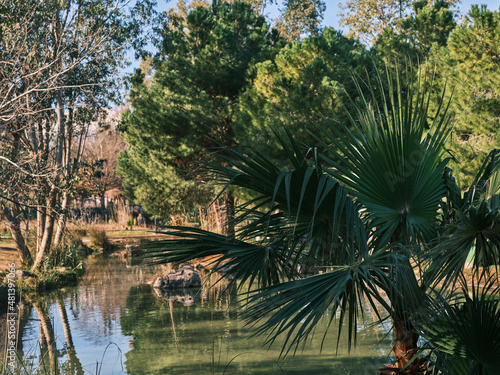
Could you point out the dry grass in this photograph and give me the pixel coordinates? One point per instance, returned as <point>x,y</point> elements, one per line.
<point>8,253</point>
<point>210,218</point>
<point>117,234</point>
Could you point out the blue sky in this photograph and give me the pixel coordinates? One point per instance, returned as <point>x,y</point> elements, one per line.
<point>332,8</point>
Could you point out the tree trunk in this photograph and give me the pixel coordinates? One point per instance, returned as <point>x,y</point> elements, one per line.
<point>61,221</point>
<point>406,344</point>
<point>48,230</point>
<point>12,217</point>
<point>230,230</point>
<point>405,349</point>
<point>40,226</point>
<point>103,204</point>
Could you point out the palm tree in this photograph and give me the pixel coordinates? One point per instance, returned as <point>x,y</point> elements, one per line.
<point>378,208</point>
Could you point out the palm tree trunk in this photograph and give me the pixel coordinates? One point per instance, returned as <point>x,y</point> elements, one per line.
<point>406,343</point>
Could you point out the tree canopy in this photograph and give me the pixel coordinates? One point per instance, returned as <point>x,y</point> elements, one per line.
<point>368,19</point>
<point>379,212</point>
<point>186,110</point>
<point>305,84</point>
<point>352,195</point>
<point>427,27</point>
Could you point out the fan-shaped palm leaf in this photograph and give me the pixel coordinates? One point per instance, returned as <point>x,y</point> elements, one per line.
<point>466,333</point>
<point>303,201</point>
<point>487,181</point>
<point>392,163</point>
<point>486,185</point>
<point>299,216</point>
<point>294,308</point>
<point>475,233</point>
<point>470,229</point>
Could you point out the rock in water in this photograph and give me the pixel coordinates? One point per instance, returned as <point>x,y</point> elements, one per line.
<point>185,277</point>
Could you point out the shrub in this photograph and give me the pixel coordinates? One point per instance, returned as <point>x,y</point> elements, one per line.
<point>99,239</point>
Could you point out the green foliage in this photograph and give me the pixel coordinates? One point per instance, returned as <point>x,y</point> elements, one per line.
<point>429,24</point>
<point>63,265</point>
<point>187,106</point>
<point>391,162</point>
<point>371,220</point>
<point>301,236</point>
<point>470,64</point>
<point>427,27</point>
<point>300,17</point>
<point>464,331</point>
<point>66,255</point>
<point>304,84</point>
<point>99,239</point>
<point>51,280</point>
<point>470,228</point>
<point>367,19</point>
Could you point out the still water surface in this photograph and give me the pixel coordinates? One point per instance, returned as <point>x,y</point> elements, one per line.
<point>113,323</point>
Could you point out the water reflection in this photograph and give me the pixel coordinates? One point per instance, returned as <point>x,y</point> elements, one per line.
<point>191,332</point>
<point>186,297</point>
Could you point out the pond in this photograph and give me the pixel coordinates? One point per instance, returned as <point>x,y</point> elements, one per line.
<point>112,322</point>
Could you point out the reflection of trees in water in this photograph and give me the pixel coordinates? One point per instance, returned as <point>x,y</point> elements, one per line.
<point>74,364</point>
<point>178,333</point>
<point>167,336</point>
<point>48,346</point>
<point>99,300</point>
<point>93,309</point>
<point>172,337</point>
<point>108,294</point>
<point>23,314</point>
<point>48,358</point>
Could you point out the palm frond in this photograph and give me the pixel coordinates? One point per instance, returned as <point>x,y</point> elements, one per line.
<point>294,309</point>
<point>486,182</point>
<point>304,204</point>
<point>298,217</point>
<point>453,202</point>
<point>465,333</point>
<point>239,260</point>
<point>473,241</point>
<point>392,163</point>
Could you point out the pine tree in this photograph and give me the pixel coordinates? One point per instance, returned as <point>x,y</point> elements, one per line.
<point>305,84</point>
<point>185,110</point>
<point>470,64</point>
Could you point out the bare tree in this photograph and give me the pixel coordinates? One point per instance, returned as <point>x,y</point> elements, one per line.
<point>59,64</point>
<point>101,158</point>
